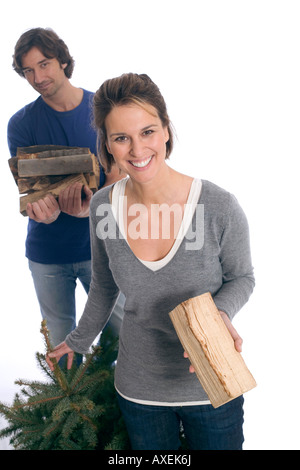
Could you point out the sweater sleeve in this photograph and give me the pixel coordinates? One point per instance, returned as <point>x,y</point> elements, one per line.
<point>235,259</point>
<point>102,295</point>
<point>17,134</point>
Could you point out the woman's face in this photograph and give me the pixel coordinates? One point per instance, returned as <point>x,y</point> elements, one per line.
<point>137,140</point>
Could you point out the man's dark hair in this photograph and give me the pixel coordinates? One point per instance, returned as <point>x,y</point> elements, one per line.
<point>50,45</point>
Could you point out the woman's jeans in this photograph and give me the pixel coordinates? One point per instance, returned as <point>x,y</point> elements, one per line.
<point>55,286</point>
<point>205,428</point>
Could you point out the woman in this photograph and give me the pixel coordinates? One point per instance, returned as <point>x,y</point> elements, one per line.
<point>160,237</point>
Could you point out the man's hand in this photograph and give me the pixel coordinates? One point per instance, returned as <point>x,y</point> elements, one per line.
<point>75,200</point>
<point>44,211</point>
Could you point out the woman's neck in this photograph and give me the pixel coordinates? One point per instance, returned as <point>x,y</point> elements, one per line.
<point>167,188</point>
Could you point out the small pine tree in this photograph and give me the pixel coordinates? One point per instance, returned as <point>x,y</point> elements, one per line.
<point>76,410</point>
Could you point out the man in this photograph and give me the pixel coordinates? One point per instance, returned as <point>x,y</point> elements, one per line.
<point>57,244</point>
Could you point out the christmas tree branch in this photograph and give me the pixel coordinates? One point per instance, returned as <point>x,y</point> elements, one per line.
<point>57,370</point>
<point>37,402</point>
<point>85,367</point>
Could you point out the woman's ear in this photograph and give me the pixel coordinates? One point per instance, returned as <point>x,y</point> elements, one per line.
<point>167,135</point>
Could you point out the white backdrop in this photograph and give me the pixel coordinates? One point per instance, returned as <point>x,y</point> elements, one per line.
<point>230,73</point>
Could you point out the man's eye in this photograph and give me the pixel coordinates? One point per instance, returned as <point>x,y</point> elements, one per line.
<point>121,138</point>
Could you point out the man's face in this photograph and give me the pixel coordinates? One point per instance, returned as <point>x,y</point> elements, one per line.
<point>45,75</point>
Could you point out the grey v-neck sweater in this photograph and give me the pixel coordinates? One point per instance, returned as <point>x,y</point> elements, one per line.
<point>150,366</point>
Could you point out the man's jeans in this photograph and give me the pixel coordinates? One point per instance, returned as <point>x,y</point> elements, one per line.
<point>55,286</point>
<point>205,428</point>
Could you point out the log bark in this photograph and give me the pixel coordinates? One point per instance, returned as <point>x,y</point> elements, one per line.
<point>13,166</point>
<point>66,165</point>
<point>44,151</point>
<point>204,336</point>
<point>28,185</point>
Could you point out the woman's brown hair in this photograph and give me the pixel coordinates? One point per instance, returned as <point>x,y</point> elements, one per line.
<point>128,88</point>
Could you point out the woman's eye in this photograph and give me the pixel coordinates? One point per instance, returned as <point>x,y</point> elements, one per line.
<point>148,132</point>
<point>121,138</point>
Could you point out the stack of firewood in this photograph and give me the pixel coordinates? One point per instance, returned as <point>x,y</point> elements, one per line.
<point>47,169</point>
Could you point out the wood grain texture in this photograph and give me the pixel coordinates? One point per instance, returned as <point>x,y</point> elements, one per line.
<point>205,337</point>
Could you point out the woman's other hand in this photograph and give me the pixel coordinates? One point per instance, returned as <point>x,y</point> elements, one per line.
<point>235,336</point>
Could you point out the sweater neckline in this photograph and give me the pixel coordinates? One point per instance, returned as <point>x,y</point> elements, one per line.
<point>65,113</point>
<point>117,202</point>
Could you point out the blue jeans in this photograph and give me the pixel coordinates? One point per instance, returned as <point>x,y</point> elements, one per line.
<point>205,428</point>
<point>55,286</point>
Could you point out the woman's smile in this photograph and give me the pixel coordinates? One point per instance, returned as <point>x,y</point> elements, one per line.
<point>141,163</point>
